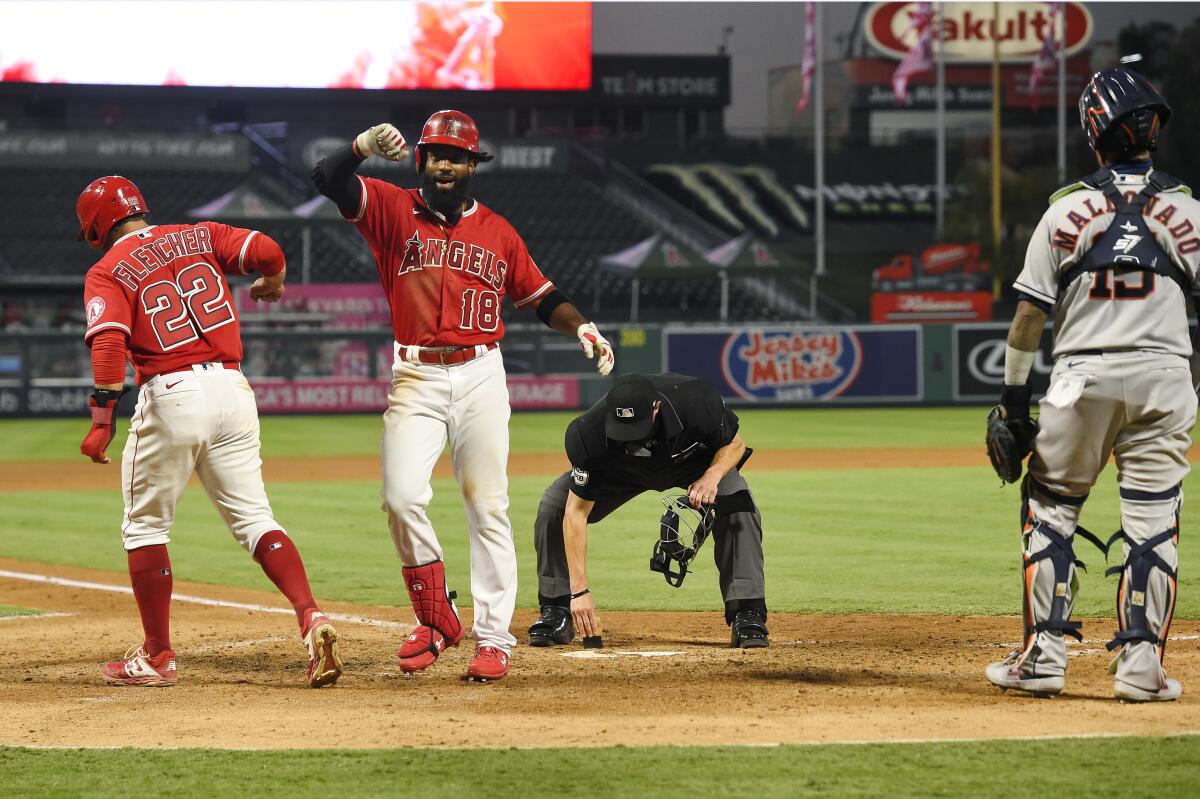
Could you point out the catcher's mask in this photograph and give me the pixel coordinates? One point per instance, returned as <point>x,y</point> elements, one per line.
<point>681,533</point>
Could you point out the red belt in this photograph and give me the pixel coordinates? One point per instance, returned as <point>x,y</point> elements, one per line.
<point>448,356</point>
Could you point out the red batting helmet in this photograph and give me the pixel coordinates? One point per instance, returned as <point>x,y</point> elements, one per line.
<point>453,129</point>
<point>104,203</point>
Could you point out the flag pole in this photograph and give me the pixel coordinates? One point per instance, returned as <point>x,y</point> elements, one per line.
<point>1062,94</point>
<point>819,158</point>
<point>940,200</point>
<point>996,136</point>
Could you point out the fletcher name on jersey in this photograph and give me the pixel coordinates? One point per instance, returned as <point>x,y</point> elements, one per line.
<point>164,287</point>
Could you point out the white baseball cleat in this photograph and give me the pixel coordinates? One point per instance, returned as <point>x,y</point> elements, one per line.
<point>138,668</point>
<point>1131,693</point>
<point>1009,674</point>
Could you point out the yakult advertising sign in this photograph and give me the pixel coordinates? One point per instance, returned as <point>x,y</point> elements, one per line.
<point>968,29</point>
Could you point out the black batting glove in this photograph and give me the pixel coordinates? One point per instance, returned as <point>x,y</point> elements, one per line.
<point>1015,400</point>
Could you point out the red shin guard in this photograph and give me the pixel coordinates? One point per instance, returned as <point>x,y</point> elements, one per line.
<point>439,625</point>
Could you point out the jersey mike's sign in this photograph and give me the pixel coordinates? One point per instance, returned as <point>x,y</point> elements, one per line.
<point>804,364</point>
<point>969,29</point>
<point>801,364</point>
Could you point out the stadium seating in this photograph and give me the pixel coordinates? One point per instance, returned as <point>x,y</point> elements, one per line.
<point>567,220</point>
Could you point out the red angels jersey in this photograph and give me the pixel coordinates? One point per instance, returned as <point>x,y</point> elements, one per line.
<point>444,282</point>
<point>164,286</point>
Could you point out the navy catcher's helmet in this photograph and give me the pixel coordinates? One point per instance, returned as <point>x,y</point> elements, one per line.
<point>1121,112</point>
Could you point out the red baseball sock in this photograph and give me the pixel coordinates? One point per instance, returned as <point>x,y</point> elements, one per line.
<point>150,576</point>
<point>281,562</point>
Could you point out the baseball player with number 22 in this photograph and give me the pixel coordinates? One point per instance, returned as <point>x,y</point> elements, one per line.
<point>445,262</point>
<point>161,294</point>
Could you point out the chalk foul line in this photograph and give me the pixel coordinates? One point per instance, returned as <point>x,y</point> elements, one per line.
<point>195,600</point>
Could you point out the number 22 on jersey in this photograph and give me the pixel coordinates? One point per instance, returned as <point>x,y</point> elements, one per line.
<point>194,302</point>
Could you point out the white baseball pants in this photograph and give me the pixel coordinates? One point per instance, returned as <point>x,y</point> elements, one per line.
<point>466,404</point>
<point>204,420</point>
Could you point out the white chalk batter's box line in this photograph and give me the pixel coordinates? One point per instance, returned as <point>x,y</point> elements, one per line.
<point>195,600</point>
<point>35,615</point>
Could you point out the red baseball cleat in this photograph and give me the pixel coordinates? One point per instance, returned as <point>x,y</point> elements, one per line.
<point>324,665</point>
<point>138,668</point>
<point>423,646</point>
<point>489,663</point>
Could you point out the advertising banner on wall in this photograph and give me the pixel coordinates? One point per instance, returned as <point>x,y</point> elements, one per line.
<point>177,151</point>
<point>349,395</point>
<point>969,29</point>
<point>979,362</point>
<point>800,364</point>
<point>340,305</point>
<point>536,154</point>
<point>282,396</point>
<point>931,306</point>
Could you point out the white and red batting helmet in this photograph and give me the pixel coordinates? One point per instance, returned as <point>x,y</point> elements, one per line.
<point>452,129</point>
<point>104,203</point>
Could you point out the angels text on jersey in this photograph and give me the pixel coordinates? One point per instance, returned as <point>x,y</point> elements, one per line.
<point>435,253</point>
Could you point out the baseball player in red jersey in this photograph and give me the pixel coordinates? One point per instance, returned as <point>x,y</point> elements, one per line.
<point>160,295</point>
<point>446,262</point>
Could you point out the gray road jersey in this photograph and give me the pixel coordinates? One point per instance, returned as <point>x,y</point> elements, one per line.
<point>1122,311</point>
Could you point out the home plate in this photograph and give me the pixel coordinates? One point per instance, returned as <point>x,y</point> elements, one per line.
<point>596,654</point>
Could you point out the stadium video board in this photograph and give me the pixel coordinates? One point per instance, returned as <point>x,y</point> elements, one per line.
<point>351,44</point>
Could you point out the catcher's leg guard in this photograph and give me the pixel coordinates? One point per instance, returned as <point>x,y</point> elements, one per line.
<point>1050,578</point>
<point>437,617</point>
<point>1146,592</point>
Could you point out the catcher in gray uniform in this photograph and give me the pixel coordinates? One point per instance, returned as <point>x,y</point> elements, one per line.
<point>1114,258</point>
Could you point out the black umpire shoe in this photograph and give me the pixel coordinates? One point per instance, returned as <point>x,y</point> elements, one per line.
<point>553,628</point>
<point>749,629</point>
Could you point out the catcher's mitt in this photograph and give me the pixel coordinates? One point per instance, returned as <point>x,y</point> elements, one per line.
<point>1008,442</point>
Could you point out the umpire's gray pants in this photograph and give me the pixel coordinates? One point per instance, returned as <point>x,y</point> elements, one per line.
<point>737,540</point>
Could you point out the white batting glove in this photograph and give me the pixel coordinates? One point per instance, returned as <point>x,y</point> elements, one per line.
<point>596,346</point>
<point>383,141</point>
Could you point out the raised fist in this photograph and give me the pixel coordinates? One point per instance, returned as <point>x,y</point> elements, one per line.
<point>383,141</point>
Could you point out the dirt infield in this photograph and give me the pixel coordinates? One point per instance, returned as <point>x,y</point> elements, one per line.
<point>82,474</point>
<point>825,678</point>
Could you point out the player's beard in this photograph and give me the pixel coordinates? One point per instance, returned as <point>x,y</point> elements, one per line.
<point>447,202</point>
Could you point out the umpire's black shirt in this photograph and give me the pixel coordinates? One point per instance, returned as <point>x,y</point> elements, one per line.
<point>692,424</point>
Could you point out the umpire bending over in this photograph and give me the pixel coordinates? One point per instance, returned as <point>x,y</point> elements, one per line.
<point>650,433</point>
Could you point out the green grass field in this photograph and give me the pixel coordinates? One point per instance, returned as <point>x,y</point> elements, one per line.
<point>964,769</point>
<point>933,540</point>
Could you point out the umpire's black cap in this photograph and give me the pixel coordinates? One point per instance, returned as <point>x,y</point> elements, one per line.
<point>630,406</point>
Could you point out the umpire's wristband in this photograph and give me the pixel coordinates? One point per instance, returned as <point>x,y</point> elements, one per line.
<point>584,592</point>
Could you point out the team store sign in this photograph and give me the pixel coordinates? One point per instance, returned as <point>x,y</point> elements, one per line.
<point>969,29</point>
